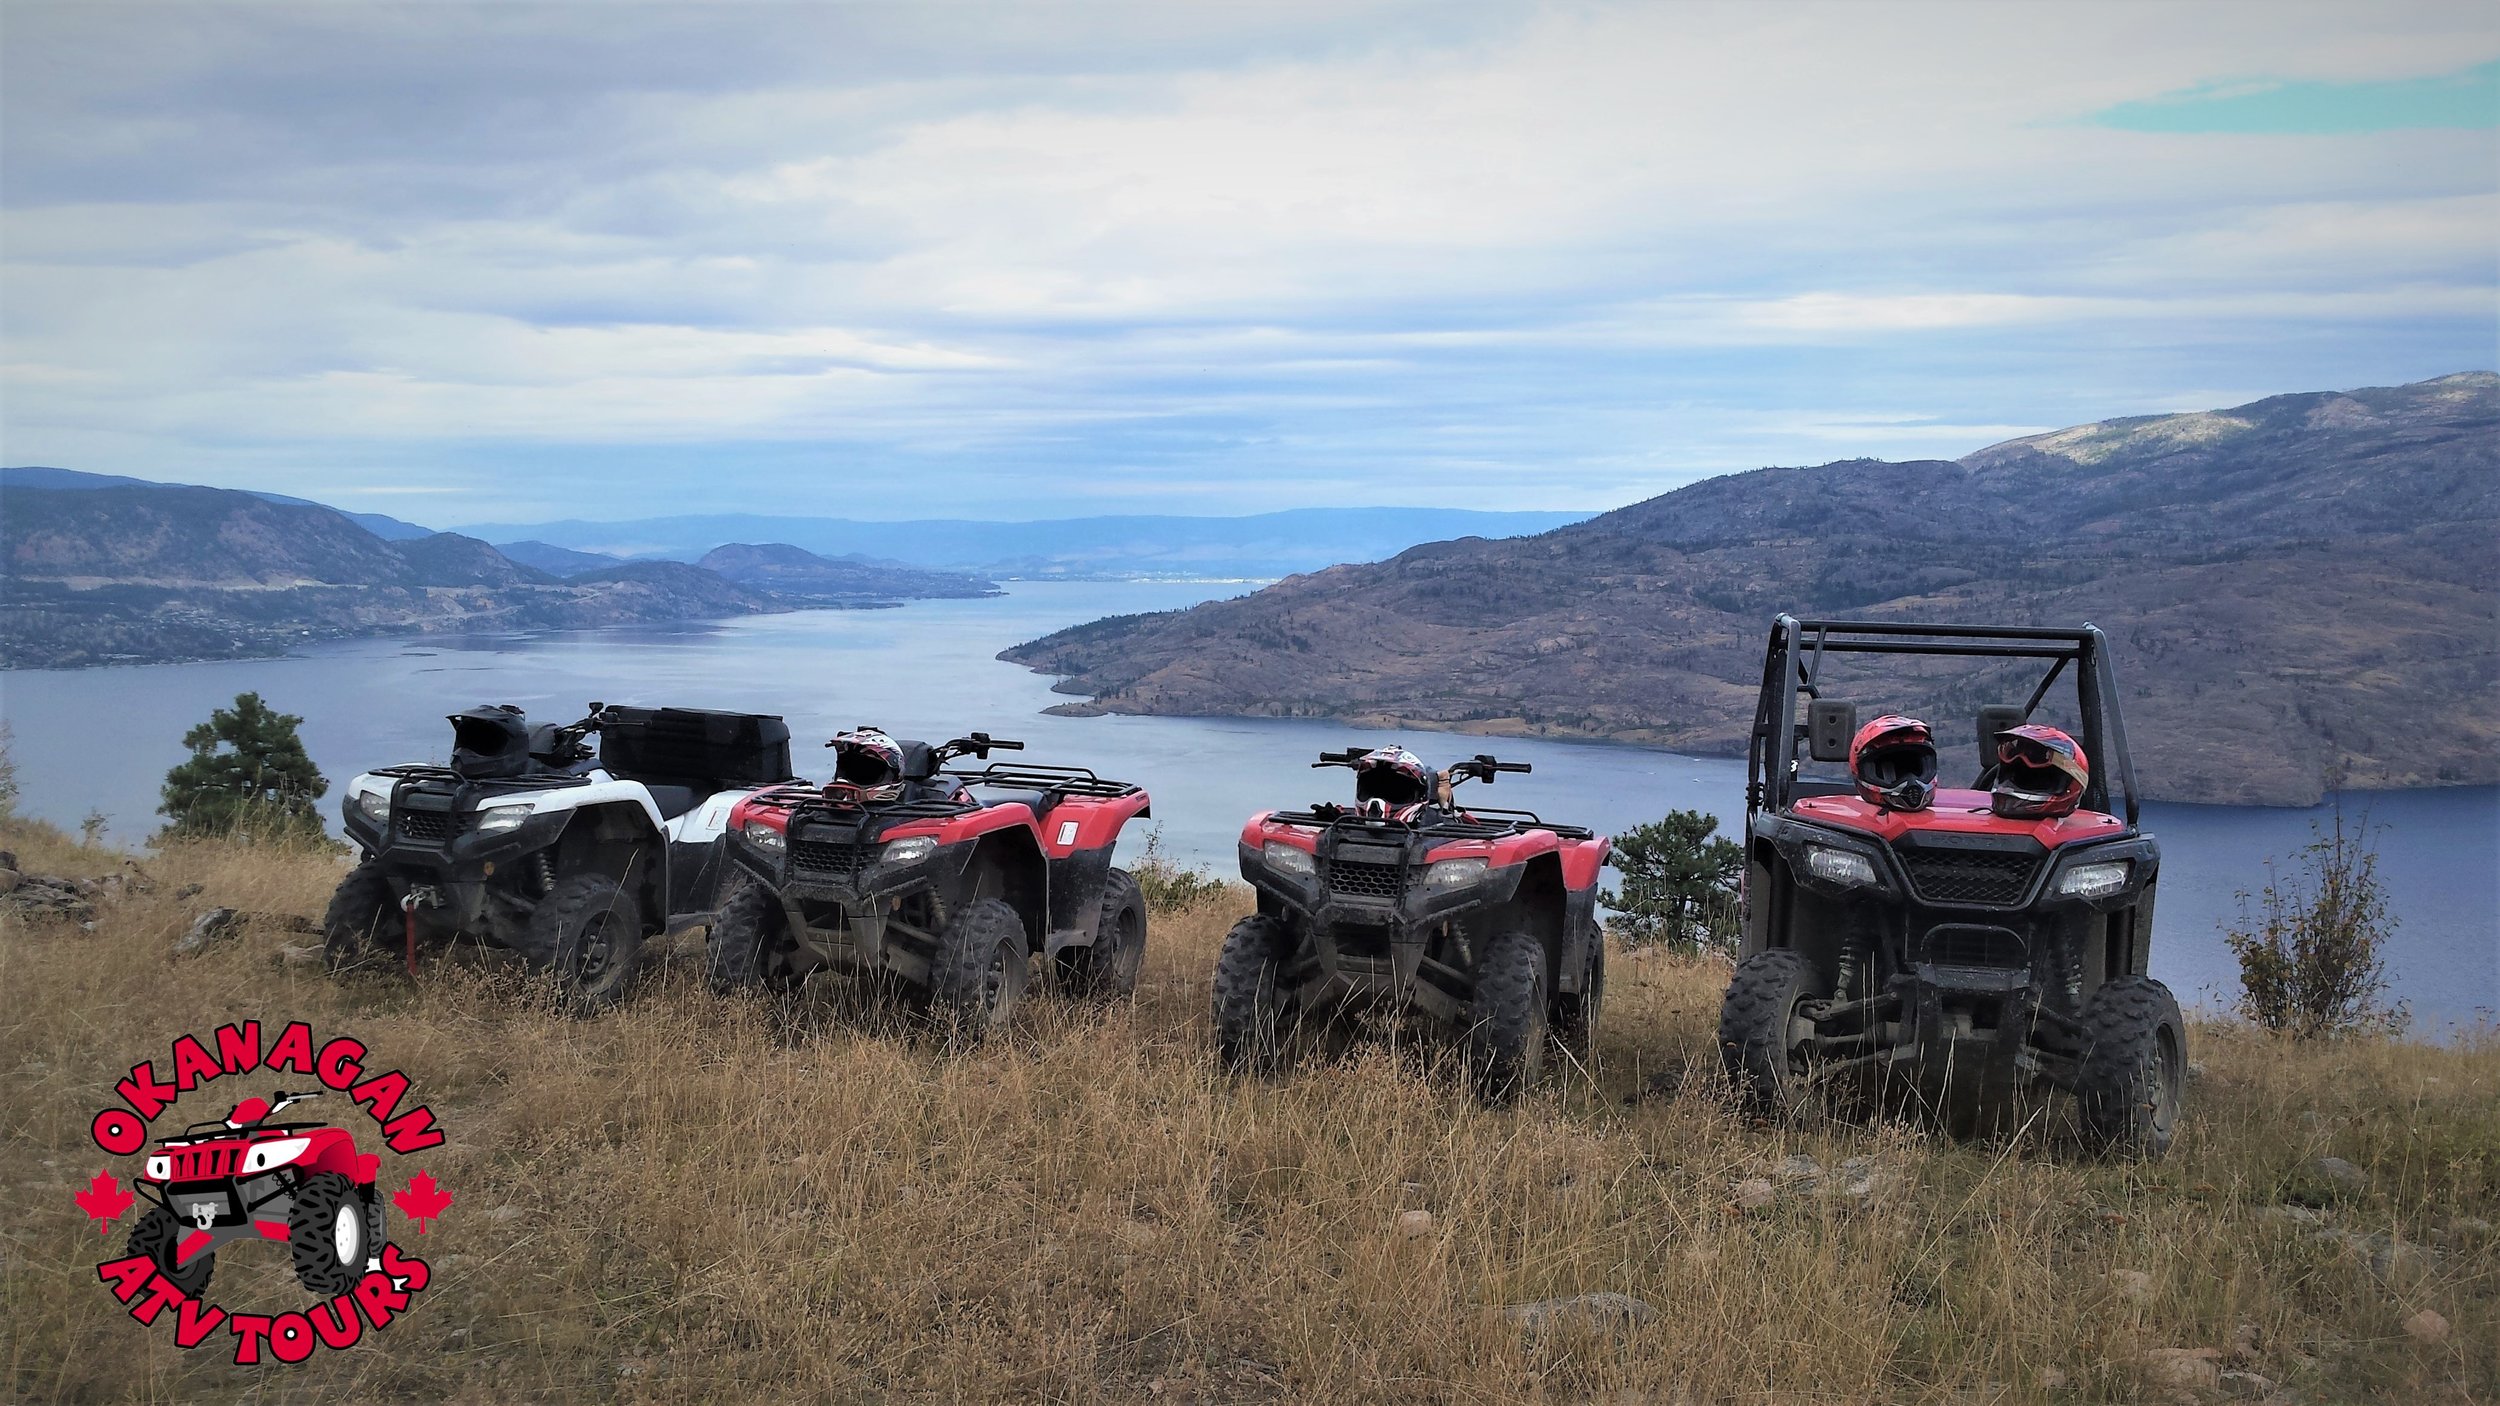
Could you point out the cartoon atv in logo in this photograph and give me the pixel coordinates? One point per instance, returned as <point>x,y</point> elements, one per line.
<point>946,883</point>
<point>1968,944</point>
<point>531,839</point>
<point>1484,920</point>
<point>303,1183</point>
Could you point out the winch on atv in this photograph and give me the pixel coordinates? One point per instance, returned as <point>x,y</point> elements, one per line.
<point>531,838</point>
<point>1481,920</point>
<point>1959,946</point>
<point>942,883</point>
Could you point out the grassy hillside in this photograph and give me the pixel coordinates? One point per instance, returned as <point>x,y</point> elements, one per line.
<point>696,1199</point>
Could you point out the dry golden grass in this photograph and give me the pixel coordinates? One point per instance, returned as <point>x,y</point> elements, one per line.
<point>701,1199</point>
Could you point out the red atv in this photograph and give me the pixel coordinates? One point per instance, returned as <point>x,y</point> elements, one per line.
<point>1966,944</point>
<point>303,1183</point>
<point>943,882</point>
<point>1484,920</point>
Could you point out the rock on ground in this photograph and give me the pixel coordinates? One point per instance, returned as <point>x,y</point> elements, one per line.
<point>1592,1311</point>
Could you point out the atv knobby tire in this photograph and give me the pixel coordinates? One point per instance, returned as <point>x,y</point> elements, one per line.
<point>588,930</point>
<point>364,925</point>
<point>1507,1030</point>
<point>1576,1013</point>
<point>2133,1066</point>
<point>1761,1036</point>
<point>1108,968</point>
<point>750,947</point>
<point>1254,1015</point>
<point>330,1233</point>
<point>158,1235</point>
<point>980,971</point>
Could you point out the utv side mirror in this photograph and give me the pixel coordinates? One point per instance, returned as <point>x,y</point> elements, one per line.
<point>1830,725</point>
<point>1993,719</point>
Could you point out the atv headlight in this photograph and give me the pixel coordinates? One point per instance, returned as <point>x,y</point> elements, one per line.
<point>911,851</point>
<point>1289,860</point>
<point>1840,866</point>
<point>1453,873</point>
<point>372,805</point>
<point>494,820</point>
<point>763,836</point>
<point>261,1156</point>
<point>160,1168</point>
<point>2094,880</point>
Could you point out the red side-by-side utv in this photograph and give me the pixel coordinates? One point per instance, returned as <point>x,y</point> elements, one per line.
<point>1965,945</point>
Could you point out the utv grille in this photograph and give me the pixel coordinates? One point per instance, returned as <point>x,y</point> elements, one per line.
<point>205,1163</point>
<point>1964,945</point>
<point>833,858</point>
<point>1969,876</point>
<point>1367,880</point>
<point>430,825</point>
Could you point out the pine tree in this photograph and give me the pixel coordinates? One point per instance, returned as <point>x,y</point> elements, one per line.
<point>247,774</point>
<point>1679,883</point>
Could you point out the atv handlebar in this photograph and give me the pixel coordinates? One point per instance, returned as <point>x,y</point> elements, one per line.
<point>1483,767</point>
<point>979,744</point>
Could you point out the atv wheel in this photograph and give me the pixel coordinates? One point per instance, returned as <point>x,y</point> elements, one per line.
<point>1108,968</point>
<point>1761,1035</point>
<point>1507,1028</point>
<point>158,1235</point>
<point>1254,1015</point>
<point>1575,1014</point>
<point>750,946</point>
<point>980,972</point>
<point>363,925</point>
<point>2127,1085</point>
<point>590,929</point>
<point>330,1234</point>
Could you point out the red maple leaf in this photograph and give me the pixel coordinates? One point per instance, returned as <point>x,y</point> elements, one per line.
<point>422,1201</point>
<point>104,1201</point>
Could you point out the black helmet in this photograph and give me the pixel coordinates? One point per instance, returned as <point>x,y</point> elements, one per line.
<point>1393,776</point>
<point>490,740</point>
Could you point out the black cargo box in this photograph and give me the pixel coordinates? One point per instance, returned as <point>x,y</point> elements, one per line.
<point>695,746</point>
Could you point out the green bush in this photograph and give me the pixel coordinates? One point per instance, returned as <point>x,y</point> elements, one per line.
<point>1680,885</point>
<point>2310,944</point>
<point>248,776</point>
<point>1170,886</point>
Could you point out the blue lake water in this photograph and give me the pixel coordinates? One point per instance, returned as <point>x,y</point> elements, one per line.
<point>101,740</point>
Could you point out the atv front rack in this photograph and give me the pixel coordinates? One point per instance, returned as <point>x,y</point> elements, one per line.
<point>1520,822</point>
<point>535,781</point>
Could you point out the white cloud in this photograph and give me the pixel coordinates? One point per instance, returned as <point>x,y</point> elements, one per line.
<point>1607,243</point>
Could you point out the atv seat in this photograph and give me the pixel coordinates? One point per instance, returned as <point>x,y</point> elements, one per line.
<point>1037,801</point>
<point>674,801</point>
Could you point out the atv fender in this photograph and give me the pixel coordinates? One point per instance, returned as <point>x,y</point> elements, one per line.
<point>1008,864</point>
<point>1580,863</point>
<point>623,839</point>
<point>1075,826</point>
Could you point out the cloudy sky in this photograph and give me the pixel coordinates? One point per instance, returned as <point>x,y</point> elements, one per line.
<point>598,260</point>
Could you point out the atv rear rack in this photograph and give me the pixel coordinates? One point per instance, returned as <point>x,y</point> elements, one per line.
<point>1037,776</point>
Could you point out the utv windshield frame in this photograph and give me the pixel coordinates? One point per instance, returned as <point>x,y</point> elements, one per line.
<point>1792,666</point>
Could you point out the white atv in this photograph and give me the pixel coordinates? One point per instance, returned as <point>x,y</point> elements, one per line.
<point>530,838</point>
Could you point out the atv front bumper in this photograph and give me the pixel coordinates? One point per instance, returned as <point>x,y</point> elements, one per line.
<point>1376,949</point>
<point>849,919</point>
<point>456,868</point>
<point>1962,1034</point>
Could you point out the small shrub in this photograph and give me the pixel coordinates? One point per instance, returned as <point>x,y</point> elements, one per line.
<point>2310,946</point>
<point>1170,886</point>
<point>1679,885</point>
<point>8,773</point>
<point>91,829</point>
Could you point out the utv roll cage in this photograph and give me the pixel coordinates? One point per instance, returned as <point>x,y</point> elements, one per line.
<point>1792,669</point>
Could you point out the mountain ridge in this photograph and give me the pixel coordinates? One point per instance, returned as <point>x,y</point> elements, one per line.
<point>2298,587</point>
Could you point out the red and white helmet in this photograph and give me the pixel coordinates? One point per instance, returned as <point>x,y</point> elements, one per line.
<point>1893,761</point>
<point>2040,772</point>
<point>868,762</point>
<point>1393,776</point>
